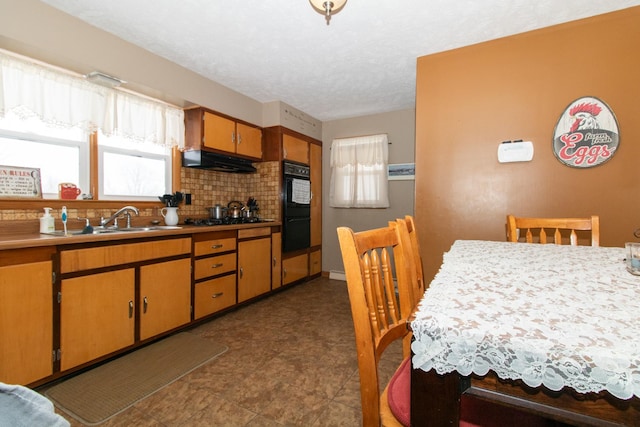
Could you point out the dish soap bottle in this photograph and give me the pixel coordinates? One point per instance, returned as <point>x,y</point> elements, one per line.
<point>47,223</point>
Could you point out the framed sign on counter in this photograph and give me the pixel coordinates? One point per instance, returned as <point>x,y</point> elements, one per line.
<point>22,182</point>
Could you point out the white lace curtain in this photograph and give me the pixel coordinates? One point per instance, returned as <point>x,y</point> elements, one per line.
<point>64,100</point>
<point>359,172</point>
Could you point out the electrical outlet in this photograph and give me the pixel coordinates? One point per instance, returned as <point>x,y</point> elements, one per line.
<point>187,199</point>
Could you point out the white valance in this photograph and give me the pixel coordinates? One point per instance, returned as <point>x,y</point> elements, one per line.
<point>62,99</point>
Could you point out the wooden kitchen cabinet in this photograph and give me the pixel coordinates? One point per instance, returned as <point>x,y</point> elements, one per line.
<point>214,295</point>
<point>276,260</point>
<point>97,316</point>
<point>315,262</point>
<point>295,149</point>
<point>214,265</point>
<point>99,309</point>
<point>26,316</point>
<point>315,155</point>
<point>165,297</point>
<point>295,268</point>
<point>216,132</point>
<point>254,262</point>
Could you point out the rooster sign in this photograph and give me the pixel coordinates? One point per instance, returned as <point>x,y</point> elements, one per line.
<point>586,134</point>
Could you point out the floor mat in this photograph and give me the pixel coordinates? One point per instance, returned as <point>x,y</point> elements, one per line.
<point>100,393</point>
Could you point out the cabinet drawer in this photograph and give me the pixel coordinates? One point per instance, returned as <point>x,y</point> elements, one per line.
<point>295,268</point>
<point>213,266</point>
<point>127,253</point>
<point>214,295</point>
<point>214,246</point>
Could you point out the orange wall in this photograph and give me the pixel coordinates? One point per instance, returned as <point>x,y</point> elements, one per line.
<point>469,100</point>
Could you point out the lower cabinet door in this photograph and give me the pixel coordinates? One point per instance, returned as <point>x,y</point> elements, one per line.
<point>26,322</point>
<point>254,268</point>
<point>97,316</point>
<point>295,268</point>
<point>214,295</point>
<point>165,296</point>
<point>315,262</point>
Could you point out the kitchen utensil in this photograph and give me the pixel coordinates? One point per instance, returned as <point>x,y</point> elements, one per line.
<point>247,213</point>
<point>234,209</point>
<point>217,212</point>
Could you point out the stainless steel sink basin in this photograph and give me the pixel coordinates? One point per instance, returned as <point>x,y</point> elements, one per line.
<point>150,228</point>
<point>103,230</point>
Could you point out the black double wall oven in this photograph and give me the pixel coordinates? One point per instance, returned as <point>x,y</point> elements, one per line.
<point>296,224</point>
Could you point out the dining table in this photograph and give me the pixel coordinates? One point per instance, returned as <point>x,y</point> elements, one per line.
<point>549,329</point>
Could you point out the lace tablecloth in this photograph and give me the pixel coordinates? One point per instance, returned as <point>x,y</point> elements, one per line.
<point>549,315</point>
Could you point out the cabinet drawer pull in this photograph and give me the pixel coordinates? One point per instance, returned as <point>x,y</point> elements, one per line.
<point>274,261</point>
<point>130,309</point>
<point>218,265</point>
<point>145,303</point>
<point>217,295</point>
<point>216,246</point>
<point>241,272</point>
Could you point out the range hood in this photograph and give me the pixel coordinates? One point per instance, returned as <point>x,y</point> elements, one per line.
<point>217,162</point>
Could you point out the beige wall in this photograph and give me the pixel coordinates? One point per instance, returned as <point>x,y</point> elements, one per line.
<point>400,126</point>
<point>471,99</point>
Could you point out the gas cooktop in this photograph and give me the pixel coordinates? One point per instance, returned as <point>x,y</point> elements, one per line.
<point>204,222</point>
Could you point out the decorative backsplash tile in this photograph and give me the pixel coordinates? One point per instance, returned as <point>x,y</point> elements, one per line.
<point>209,188</point>
<point>206,188</point>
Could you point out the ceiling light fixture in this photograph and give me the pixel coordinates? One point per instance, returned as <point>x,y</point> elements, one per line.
<point>104,79</point>
<point>327,7</point>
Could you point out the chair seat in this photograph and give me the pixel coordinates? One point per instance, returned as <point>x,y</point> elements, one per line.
<point>395,404</point>
<point>395,401</point>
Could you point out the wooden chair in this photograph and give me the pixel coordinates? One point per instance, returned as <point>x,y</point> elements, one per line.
<point>380,313</point>
<point>407,229</point>
<point>378,317</point>
<point>537,228</point>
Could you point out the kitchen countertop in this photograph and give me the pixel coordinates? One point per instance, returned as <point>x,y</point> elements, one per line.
<point>33,240</point>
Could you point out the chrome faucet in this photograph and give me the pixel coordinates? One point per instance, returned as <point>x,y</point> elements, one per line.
<point>126,211</point>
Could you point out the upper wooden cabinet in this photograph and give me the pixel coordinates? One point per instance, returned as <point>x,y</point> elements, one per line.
<point>281,143</point>
<point>295,149</point>
<point>209,131</point>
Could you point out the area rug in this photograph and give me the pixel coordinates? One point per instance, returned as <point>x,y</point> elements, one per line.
<point>100,393</point>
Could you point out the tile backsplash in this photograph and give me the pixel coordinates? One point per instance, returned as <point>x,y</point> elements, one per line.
<point>207,188</point>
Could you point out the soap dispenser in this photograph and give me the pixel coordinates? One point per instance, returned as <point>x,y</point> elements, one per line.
<point>47,223</point>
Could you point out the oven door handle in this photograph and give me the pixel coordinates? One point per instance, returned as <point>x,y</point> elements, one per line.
<point>298,219</point>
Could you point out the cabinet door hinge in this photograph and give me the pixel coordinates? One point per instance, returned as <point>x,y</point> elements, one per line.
<point>59,297</point>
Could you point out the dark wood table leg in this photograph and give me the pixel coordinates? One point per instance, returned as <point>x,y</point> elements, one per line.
<point>435,399</point>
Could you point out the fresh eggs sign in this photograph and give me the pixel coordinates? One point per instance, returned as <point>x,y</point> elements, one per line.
<point>586,134</point>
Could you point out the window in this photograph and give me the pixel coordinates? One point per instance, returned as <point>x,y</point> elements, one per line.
<point>132,171</point>
<point>58,153</point>
<point>359,172</point>
<point>47,116</point>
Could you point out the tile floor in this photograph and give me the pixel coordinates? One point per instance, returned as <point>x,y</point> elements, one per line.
<point>291,361</point>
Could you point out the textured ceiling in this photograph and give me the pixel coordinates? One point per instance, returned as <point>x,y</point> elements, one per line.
<point>282,50</point>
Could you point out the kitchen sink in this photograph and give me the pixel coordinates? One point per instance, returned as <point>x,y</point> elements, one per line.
<point>150,228</point>
<point>103,230</point>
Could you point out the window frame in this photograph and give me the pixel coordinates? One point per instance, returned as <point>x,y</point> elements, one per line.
<point>103,149</point>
